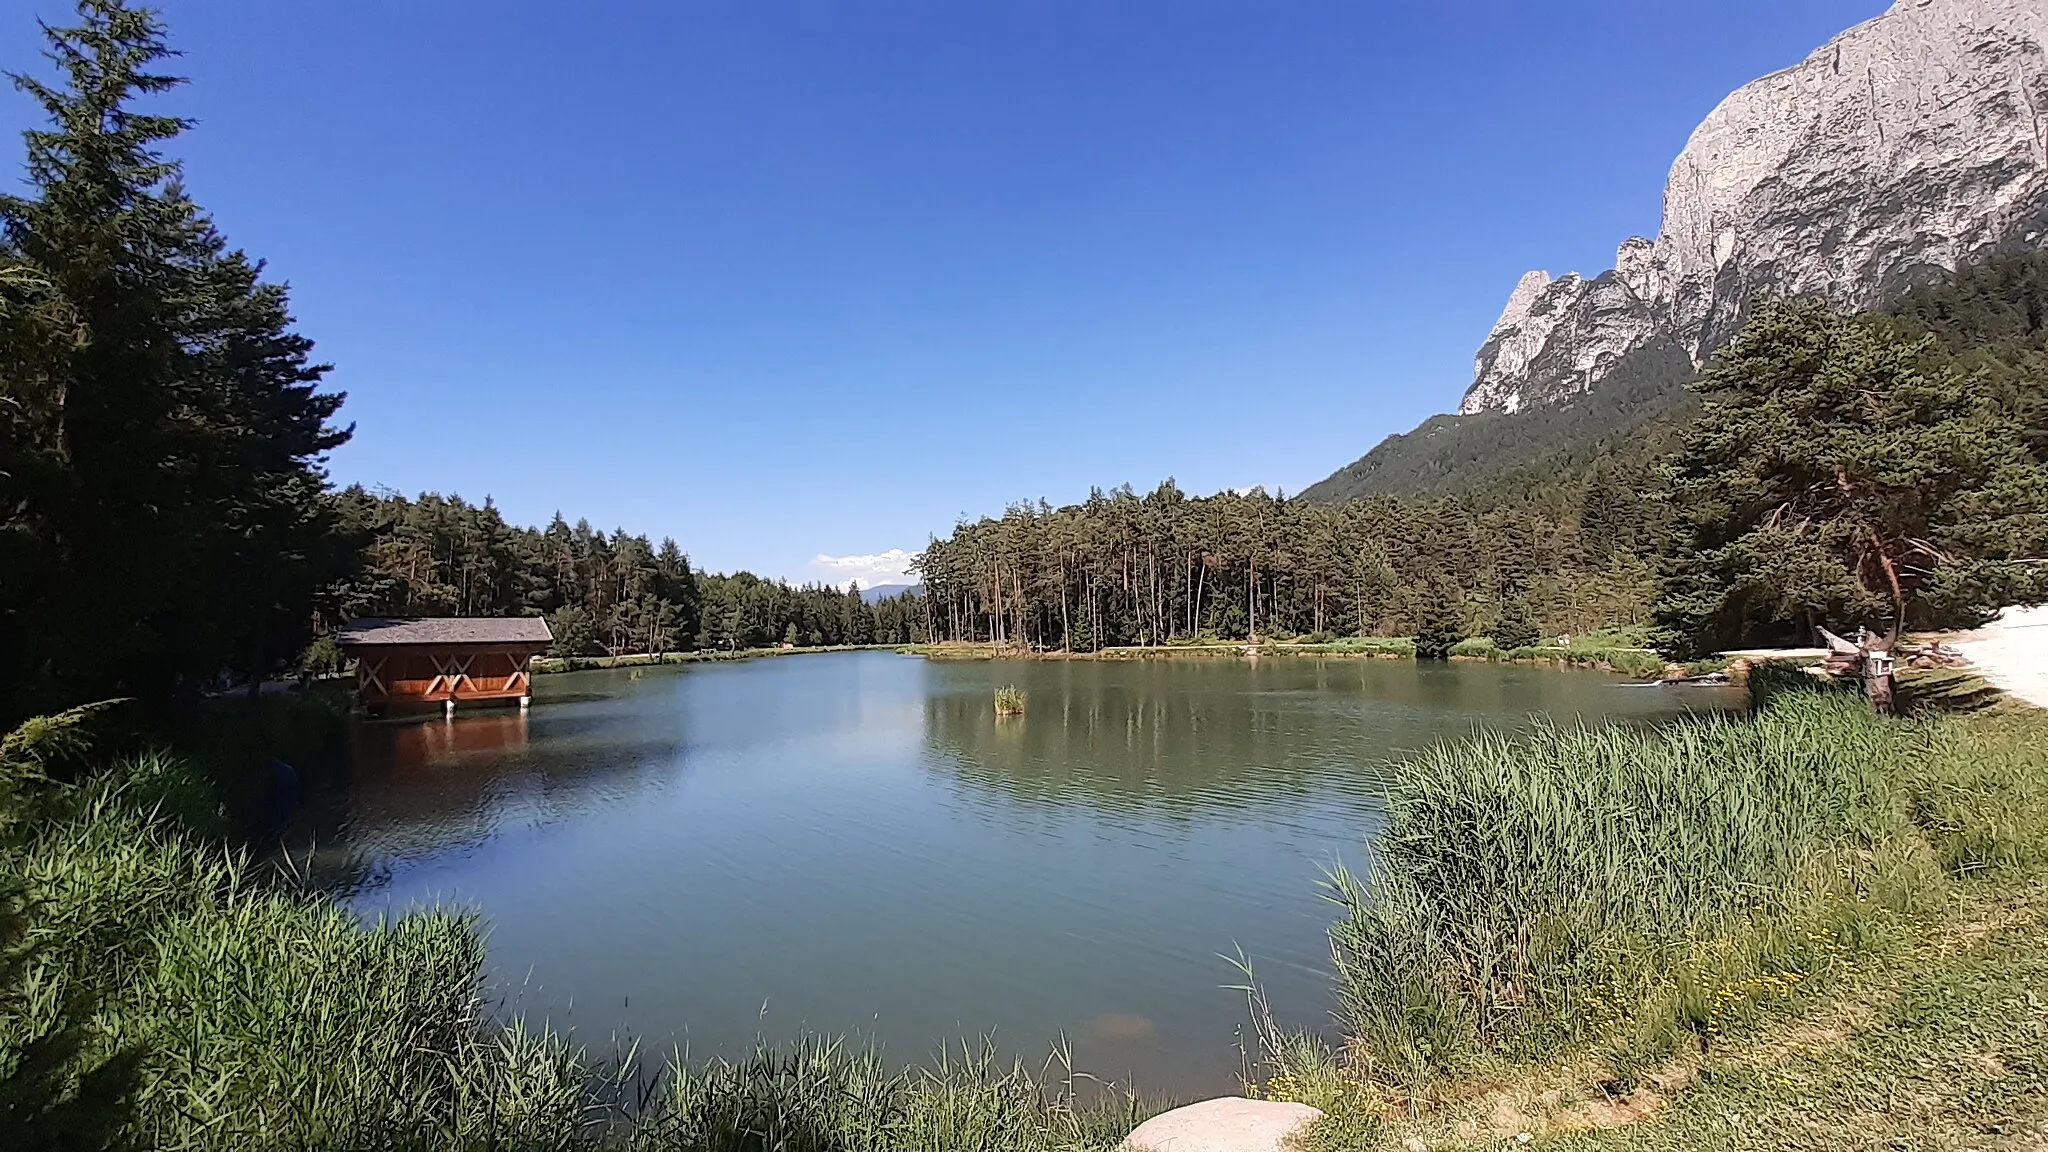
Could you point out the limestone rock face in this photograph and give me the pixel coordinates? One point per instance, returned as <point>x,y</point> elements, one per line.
<point>1227,1124</point>
<point>1911,142</point>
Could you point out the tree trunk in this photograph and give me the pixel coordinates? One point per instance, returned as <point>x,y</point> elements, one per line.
<point>1891,575</point>
<point>1066,629</point>
<point>1251,601</point>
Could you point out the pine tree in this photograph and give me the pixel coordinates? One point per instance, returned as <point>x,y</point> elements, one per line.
<point>166,412</point>
<point>1443,623</point>
<point>1843,474</point>
<point>1514,629</point>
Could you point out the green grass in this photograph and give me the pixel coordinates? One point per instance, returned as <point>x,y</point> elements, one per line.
<point>1393,646</point>
<point>1637,636</point>
<point>1637,663</point>
<point>824,1095</point>
<point>1522,881</point>
<point>1010,700</point>
<point>1944,1048</point>
<point>1814,930</point>
<point>1398,647</point>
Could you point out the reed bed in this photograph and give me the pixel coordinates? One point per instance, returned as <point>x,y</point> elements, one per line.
<point>821,1095</point>
<point>1010,700</point>
<point>1525,885</point>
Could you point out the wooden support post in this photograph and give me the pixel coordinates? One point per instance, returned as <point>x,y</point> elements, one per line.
<point>448,708</point>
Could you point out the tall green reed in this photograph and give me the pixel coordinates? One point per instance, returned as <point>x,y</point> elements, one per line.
<point>1521,882</point>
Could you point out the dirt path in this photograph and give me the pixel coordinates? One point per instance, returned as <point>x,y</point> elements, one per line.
<point>2012,652</point>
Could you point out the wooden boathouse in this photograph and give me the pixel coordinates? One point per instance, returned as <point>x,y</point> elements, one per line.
<point>444,660</point>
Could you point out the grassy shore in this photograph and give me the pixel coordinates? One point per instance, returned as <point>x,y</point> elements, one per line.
<point>1812,929</point>
<point>1607,653</point>
<point>1638,663</point>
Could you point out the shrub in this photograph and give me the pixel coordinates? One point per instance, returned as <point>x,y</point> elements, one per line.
<point>1630,662</point>
<point>322,657</point>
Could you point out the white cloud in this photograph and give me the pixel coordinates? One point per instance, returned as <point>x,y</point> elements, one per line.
<point>891,567</point>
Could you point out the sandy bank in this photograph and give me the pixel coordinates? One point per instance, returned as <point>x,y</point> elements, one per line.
<point>2012,652</point>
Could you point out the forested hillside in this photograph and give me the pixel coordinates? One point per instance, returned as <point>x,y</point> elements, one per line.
<point>1635,410</point>
<point>1996,304</point>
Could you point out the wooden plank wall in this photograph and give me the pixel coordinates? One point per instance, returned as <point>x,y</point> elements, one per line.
<point>432,673</point>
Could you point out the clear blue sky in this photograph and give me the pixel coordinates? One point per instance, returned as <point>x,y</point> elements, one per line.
<point>791,279</point>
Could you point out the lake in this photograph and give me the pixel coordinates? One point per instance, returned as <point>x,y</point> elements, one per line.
<point>855,843</point>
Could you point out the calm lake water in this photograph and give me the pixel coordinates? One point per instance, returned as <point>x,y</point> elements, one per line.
<point>854,843</point>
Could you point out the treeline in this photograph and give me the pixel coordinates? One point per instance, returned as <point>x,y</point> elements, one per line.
<point>601,593</point>
<point>1165,567</point>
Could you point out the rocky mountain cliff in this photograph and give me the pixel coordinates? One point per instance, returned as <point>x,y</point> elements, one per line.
<point>1913,141</point>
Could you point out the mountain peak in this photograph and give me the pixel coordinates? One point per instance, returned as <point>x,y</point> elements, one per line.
<point>1908,143</point>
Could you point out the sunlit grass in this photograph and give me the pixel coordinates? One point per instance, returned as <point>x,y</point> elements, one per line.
<point>1522,881</point>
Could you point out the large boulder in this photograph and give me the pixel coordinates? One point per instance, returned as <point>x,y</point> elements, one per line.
<point>1227,1124</point>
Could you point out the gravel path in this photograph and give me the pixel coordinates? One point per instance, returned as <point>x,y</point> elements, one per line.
<point>2012,652</point>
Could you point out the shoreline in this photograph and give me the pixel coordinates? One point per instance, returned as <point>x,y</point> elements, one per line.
<point>556,665</point>
<point>1641,664</point>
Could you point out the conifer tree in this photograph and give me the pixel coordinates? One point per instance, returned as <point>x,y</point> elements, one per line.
<point>1514,629</point>
<point>1842,474</point>
<point>165,503</point>
<point>1443,623</point>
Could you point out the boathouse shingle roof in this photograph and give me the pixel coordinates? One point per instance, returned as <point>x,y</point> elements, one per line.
<point>445,630</point>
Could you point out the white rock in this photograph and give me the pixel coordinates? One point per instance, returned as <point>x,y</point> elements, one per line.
<point>1228,1124</point>
<point>1915,140</point>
